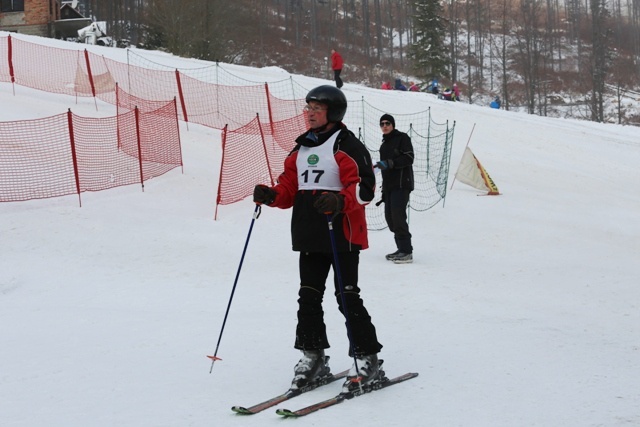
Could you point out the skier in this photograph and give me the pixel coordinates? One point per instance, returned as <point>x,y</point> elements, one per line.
<point>328,172</point>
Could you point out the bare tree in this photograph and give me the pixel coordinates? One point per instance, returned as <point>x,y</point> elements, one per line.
<point>366,22</point>
<point>378,28</point>
<point>600,58</point>
<point>453,30</point>
<point>501,48</point>
<point>528,41</point>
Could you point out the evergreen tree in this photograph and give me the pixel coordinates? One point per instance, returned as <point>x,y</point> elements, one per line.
<point>428,52</point>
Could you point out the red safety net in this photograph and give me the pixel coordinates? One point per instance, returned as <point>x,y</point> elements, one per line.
<point>48,69</point>
<point>242,147</point>
<point>142,141</point>
<point>67,153</point>
<point>36,160</point>
<point>264,147</point>
<point>125,101</point>
<point>217,106</point>
<point>5,60</point>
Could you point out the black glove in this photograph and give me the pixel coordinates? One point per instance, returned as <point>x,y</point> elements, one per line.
<point>329,203</point>
<point>263,194</point>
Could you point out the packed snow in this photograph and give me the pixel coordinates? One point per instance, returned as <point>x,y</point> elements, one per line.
<point>521,309</point>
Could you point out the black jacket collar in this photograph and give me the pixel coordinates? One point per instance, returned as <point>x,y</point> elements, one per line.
<point>312,139</point>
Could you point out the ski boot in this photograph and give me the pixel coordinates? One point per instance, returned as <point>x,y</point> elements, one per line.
<point>313,365</point>
<point>368,373</point>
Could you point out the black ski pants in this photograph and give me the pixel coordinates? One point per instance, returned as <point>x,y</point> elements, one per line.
<point>336,77</point>
<point>311,331</point>
<point>395,212</point>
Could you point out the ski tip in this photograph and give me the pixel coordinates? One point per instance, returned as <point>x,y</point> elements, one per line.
<point>214,358</point>
<point>241,410</point>
<point>286,413</point>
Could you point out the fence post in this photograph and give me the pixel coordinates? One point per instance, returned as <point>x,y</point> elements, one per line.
<point>175,109</point>
<point>74,157</point>
<point>90,74</point>
<point>264,146</point>
<point>224,144</point>
<point>266,89</point>
<point>10,59</point>
<point>118,138</point>
<point>137,115</point>
<point>181,95</point>
<point>364,124</point>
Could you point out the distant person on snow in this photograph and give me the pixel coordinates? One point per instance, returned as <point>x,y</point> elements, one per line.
<point>495,103</point>
<point>328,176</point>
<point>414,87</point>
<point>399,85</point>
<point>447,94</point>
<point>434,89</point>
<point>456,91</point>
<point>336,65</point>
<point>386,86</point>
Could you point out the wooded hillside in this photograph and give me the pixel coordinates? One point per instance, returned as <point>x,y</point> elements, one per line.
<point>526,51</point>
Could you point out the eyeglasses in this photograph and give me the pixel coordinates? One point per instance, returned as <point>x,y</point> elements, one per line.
<point>382,124</point>
<point>315,109</point>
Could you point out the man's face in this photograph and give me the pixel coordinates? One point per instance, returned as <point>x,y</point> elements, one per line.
<point>386,126</point>
<point>317,114</point>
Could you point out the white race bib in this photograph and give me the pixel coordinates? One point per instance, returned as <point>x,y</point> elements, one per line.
<point>317,167</point>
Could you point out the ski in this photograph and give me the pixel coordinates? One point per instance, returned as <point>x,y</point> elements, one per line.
<point>289,394</point>
<point>345,396</point>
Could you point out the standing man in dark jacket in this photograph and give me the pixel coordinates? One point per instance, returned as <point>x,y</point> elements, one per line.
<point>396,164</point>
<point>336,66</point>
<point>328,176</point>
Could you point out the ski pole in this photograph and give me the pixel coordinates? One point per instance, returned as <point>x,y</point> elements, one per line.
<point>336,263</point>
<point>256,214</point>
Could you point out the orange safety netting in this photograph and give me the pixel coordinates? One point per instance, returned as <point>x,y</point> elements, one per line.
<point>260,122</point>
<point>69,154</point>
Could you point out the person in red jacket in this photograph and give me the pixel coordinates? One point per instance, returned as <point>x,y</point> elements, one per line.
<point>336,66</point>
<point>328,178</point>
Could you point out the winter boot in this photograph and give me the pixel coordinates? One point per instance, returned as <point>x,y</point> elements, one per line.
<point>402,258</point>
<point>392,255</point>
<point>313,366</point>
<point>369,371</point>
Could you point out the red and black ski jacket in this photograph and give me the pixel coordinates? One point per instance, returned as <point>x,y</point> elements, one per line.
<point>309,228</point>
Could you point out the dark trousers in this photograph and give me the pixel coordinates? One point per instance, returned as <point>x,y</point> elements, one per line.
<point>395,212</point>
<point>311,331</point>
<point>336,76</point>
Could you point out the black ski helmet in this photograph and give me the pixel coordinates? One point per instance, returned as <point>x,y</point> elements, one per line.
<point>333,98</point>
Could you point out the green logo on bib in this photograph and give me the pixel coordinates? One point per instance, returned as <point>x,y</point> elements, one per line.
<point>313,159</point>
